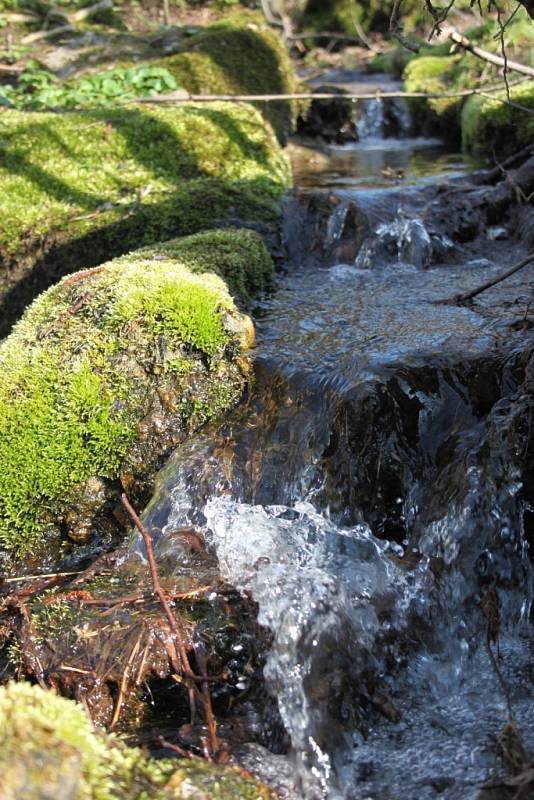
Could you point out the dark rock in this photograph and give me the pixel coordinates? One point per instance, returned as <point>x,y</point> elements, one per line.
<point>331,120</point>
<point>322,228</point>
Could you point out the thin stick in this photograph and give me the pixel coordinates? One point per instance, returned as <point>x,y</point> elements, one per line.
<point>492,58</point>
<point>44,575</point>
<point>463,298</point>
<point>181,96</point>
<point>178,750</point>
<point>210,719</point>
<point>124,682</point>
<point>173,624</point>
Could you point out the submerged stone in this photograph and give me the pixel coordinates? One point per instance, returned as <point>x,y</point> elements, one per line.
<point>111,368</point>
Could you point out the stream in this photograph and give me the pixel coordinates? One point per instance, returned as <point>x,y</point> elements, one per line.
<point>368,494</point>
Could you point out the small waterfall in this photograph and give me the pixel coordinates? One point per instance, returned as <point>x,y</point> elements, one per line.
<point>383,118</point>
<point>370,124</point>
<point>367,497</point>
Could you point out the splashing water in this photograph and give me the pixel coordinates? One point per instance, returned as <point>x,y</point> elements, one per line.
<point>369,394</point>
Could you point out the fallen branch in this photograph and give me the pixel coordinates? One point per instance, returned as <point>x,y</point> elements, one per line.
<point>185,665</point>
<point>88,11</point>
<point>38,35</point>
<point>464,298</point>
<point>491,58</point>
<point>182,96</point>
<point>11,69</point>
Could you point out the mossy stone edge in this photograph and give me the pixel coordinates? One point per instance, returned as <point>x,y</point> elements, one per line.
<point>111,368</point>
<point>50,749</point>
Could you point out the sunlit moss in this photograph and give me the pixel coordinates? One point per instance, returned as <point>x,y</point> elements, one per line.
<point>236,255</point>
<point>239,55</point>
<point>130,177</point>
<point>50,749</point>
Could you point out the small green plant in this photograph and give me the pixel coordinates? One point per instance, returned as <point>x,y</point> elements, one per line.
<point>40,89</point>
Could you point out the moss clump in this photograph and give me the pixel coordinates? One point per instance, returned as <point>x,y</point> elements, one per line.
<point>433,75</point>
<point>236,255</point>
<point>493,126</point>
<point>110,368</point>
<point>239,55</point>
<point>50,749</point>
<point>82,187</point>
<point>87,169</point>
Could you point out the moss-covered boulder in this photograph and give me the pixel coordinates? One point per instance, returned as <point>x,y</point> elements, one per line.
<point>239,55</point>
<point>80,188</point>
<point>51,750</point>
<point>493,126</point>
<point>109,369</point>
<point>434,74</point>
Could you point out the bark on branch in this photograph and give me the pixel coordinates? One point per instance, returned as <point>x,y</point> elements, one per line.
<point>492,58</point>
<point>459,299</point>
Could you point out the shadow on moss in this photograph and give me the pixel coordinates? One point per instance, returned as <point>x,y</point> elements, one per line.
<point>239,60</point>
<point>81,188</point>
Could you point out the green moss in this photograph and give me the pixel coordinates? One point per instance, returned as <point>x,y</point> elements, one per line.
<point>493,126</point>
<point>239,55</point>
<point>86,169</point>
<point>432,74</point>
<point>82,369</point>
<point>236,255</point>
<point>50,749</point>
<point>79,188</point>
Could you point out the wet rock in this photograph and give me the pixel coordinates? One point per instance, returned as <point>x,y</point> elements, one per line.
<point>458,215</point>
<point>405,240</point>
<point>322,228</point>
<point>330,120</point>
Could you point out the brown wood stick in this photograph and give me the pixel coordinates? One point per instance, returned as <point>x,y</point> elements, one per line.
<point>173,623</point>
<point>491,58</point>
<point>181,96</point>
<point>463,298</point>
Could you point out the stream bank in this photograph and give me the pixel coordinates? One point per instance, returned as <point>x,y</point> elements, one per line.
<point>361,505</point>
<point>376,490</point>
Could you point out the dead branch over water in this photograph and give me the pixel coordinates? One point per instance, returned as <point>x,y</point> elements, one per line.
<point>458,299</point>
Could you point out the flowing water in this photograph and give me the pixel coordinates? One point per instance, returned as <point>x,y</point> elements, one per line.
<point>368,497</point>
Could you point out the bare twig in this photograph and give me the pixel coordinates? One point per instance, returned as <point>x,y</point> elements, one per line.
<point>464,298</point>
<point>176,630</point>
<point>505,66</point>
<point>491,58</point>
<point>396,29</point>
<point>490,607</point>
<point>182,96</point>
<point>38,577</point>
<point>439,18</point>
<point>124,682</point>
<point>175,748</point>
